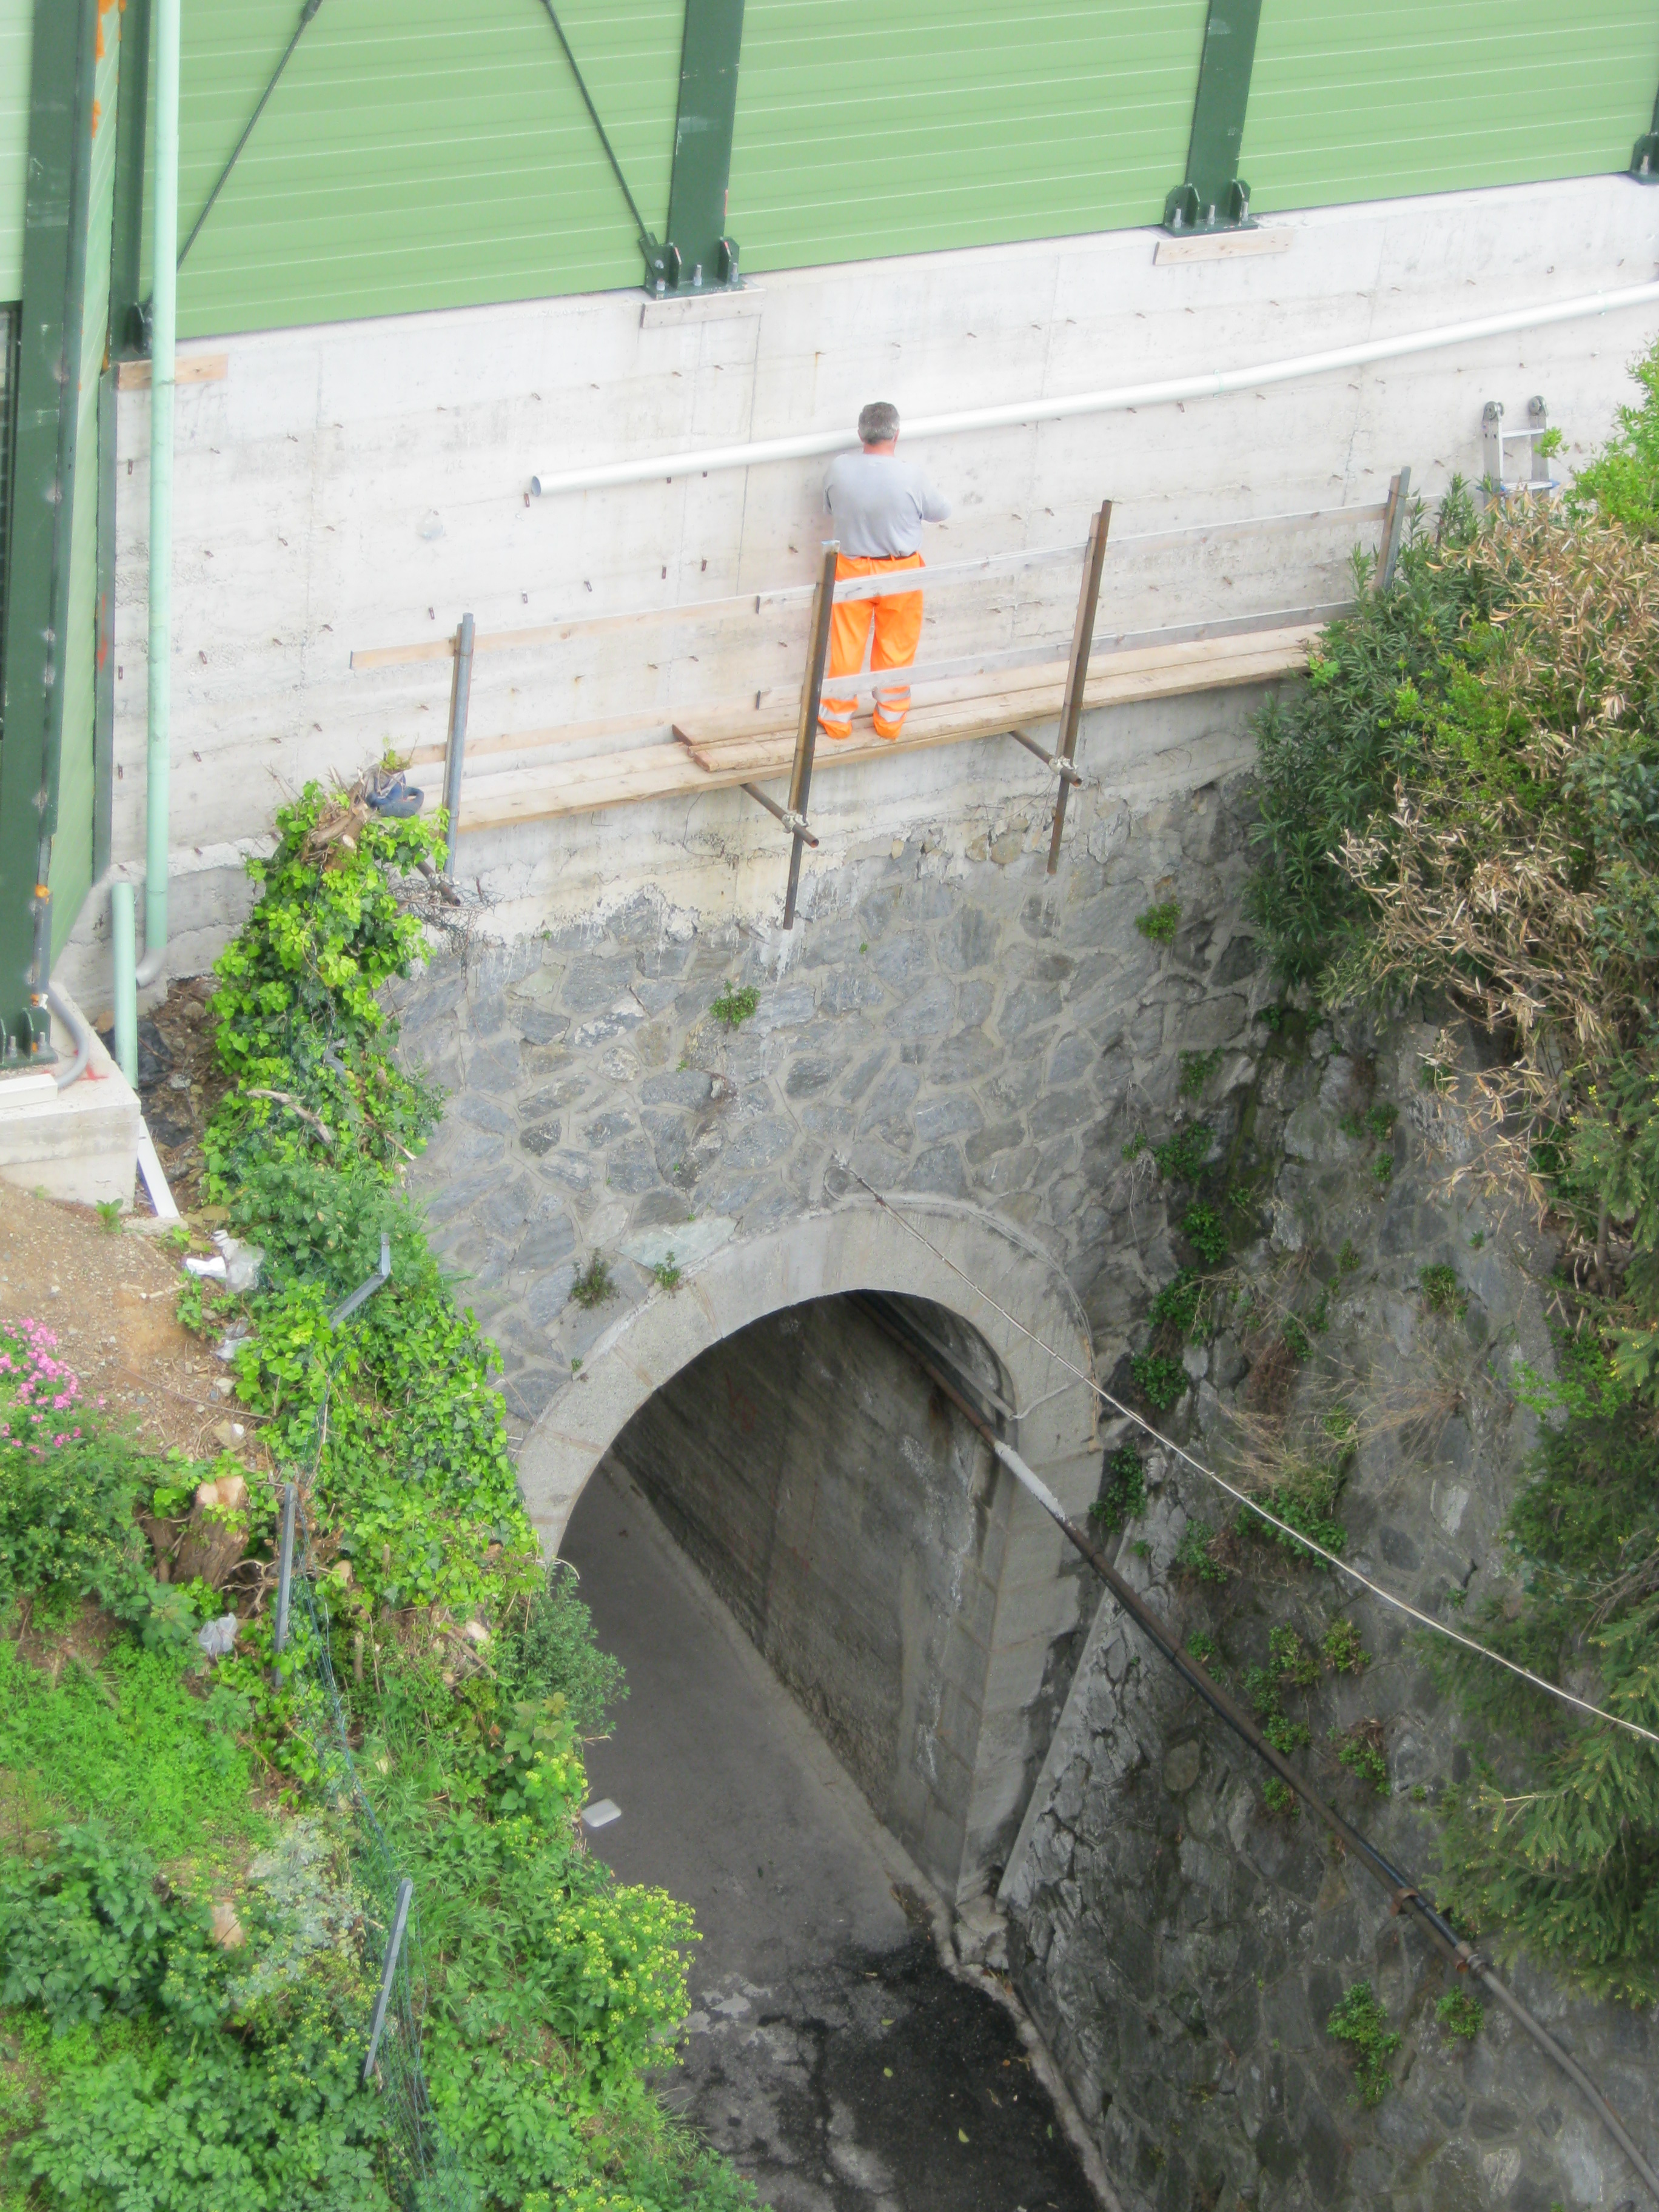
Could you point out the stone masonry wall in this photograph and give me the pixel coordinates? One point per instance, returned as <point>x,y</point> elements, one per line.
<point>951,1019</point>
<point>1181,1945</point>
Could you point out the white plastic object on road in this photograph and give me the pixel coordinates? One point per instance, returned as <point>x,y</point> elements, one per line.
<point>213,1270</point>
<point>601,1813</point>
<point>1209,385</point>
<point>156,1182</point>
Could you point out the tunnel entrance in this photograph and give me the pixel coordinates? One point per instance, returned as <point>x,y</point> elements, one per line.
<point>838,1504</point>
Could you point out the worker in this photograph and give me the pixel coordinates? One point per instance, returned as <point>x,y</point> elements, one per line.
<point>879,504</point>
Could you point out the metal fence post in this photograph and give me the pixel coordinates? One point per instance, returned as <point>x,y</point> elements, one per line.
<point>285,1571</point>
<point>1394,523</point>
<point>806,731</point>
<point>1076,673</point>
<point>455,756</point>
<point>388,1974</point>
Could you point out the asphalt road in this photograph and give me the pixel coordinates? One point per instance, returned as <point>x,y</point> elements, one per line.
<point>828,2051</point>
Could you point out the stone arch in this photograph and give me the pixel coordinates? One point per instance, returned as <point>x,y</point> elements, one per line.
<point>857,1245</point>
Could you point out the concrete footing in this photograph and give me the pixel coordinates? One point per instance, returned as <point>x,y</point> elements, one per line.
<point>81,1143</point>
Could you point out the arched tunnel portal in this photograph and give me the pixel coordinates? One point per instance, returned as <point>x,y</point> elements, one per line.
<point>777,1412</point>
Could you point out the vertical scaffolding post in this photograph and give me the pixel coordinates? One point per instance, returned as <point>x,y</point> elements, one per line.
<point>394,1944</point>
<point>285,1569</point>
<point>455,756</point>
<point>806,733</point>
<point>1394,524</point>
<point>1077,670</point>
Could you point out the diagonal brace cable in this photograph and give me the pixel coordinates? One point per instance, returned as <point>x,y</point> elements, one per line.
<point>647,236</point>
<point>307,14</point>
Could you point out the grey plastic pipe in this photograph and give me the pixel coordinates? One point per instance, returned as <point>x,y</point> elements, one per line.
<point>1210,386</point>
<point>70,1016</point>
<point>131,974</point>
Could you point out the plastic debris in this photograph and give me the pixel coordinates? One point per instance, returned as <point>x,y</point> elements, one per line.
<point>214,1269</point>
<point>601,1813</point>
<point>243,1261</point>
<point>231,1343</point>
<point>218,1638</point>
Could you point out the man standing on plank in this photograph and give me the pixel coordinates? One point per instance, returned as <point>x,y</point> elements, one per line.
<point>879,503</point>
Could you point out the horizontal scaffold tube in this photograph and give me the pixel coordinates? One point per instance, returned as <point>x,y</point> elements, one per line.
<point>1209,386</point>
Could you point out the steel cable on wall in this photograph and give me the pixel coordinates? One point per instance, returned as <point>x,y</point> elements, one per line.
<point>1404,1895</point>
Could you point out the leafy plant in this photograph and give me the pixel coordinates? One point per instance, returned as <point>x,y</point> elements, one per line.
<point>734,1006</point>
<point>667,1273</point>
<point>1197,1554</point>
<point>1359,2021</point>
<point>109,1215</point>
<point>1182,1156</point>
<point>1123,1490</point>
<point>1281,1800</point>
<point>1196,1069</point>
<point>1360,1750</point>
<point>592,1286</point>
<point>1460,2014</point>
<point>1162,1382</point>
<point>1202,1646</point>
<point>1159,923</point>
<point>1442,1292</point>
<point>1207,1232</point>
<point>1342,1650</point>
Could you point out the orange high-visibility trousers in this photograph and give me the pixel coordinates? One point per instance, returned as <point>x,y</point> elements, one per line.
<point>898,621</point>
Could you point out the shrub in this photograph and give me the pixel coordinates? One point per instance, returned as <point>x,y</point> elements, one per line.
<point>593,1285</point>
<point>1182,1156</point>
<point>734,1006</point>
<point>1281,1800</point>
<point>1160,922</point>
<point>1360,2023</point>
<point>1442,1293</point>
<point>1123,1490</point>
<point>1341,1650</point>
<point>1360,1750</point>
<point>1197,1554</point>
<point>1161,1381</point>
<point>1207,1232</point>
<point>1460,2014</point>
<point>1196,1069</point>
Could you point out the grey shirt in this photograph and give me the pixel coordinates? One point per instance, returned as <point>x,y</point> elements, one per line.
<point>880,503</point>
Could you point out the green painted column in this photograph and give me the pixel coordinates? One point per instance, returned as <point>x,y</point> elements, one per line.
<point>698,254</point>
<point>128,339</point>
<point>43,501</point>
<point>1644,160</point>
<point>1213,197</point>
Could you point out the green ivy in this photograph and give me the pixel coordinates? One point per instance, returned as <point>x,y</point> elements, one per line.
<point>1360,2023</point>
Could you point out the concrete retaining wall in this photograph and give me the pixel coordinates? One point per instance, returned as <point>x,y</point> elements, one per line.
<point>362,484</point>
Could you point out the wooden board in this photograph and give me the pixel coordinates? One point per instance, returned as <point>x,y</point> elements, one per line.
<point>717,754</point>
<point>187,368</point>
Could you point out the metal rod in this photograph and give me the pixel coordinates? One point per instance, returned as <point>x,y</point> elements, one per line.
<point>594,116</point>
<point>366,1289</point>
<point>306,12</point>
<point>460,694</point>
<point>1061,767</point>
<point>285,1567</point>
<point>1394,524</point>
<point>807,730</point>
<point>1076,675</point>
<point>394,1944</point>
<point>791,821</point>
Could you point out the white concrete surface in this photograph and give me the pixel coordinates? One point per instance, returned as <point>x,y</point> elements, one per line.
<point>79,1144</point>
<point>364,484</point>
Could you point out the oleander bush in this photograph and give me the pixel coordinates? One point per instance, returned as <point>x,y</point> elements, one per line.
<point>1462,803</point>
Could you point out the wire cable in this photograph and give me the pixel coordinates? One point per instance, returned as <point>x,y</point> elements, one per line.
<point>1168,1443</point>
<point>306,15</point>
<point>1404,1895</point>
<point>587,100</point>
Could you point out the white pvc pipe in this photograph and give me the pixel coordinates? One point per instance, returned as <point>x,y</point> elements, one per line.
<point>1210,386</point>
<point>163,327</point>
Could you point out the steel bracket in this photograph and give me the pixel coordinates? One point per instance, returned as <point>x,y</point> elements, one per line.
<point>698,254</point>
<point>1214,197</point>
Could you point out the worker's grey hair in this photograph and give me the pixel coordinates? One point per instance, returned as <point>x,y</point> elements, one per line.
<point>877,423</point>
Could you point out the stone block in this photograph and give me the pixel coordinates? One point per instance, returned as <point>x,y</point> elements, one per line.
<point>851,991</point>
<point>902,959</point>
<point>967,1055</point>
<point>758,1143</point>
<point>970,939</point>
<point>782,1010</point>
<point>950,1117</point>
<point>938,1170</point>
<point>924,1011</point>
<point>888,1106</point>
<point>592,985</point>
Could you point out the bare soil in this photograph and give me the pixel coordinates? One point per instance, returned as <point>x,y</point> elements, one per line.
<point>179,1082</point>
<point>108,1296</point>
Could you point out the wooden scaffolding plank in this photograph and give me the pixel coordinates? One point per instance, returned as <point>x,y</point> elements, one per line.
<point>705,758</point>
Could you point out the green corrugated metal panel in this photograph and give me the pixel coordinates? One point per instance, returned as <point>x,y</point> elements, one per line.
<point>71,852</point>
<point>16,38</point>
<point>417,154</point>
<point>923,124</point>
<point>1350,103</point>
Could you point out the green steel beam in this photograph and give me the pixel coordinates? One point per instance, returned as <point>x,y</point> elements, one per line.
<point>43,502</point>
<point>1213,197</point>
<point>1644,160</point>
<point>698,255</point>
<point>128,338</point>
